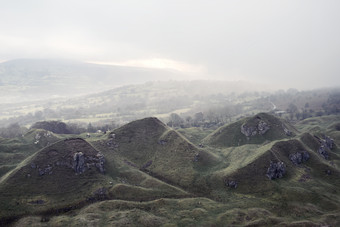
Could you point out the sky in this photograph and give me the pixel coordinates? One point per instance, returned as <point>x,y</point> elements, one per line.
<point>294,43</point>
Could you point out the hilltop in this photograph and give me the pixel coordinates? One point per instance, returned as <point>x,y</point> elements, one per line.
<point>252,130</point>
<point>152,147</point>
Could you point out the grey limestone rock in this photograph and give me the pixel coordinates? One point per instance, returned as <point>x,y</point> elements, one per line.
<point>261,128</point>
<point>328,142</point>
<point>248,131</point>
<point>299,157</point>
<point>323,152</point>
<point>79,162</point>
<point>100,160</point>
<point>231,183</point>
<point>276,170</point>
<point>286,131</point>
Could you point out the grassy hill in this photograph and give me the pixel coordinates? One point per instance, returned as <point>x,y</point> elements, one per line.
<point>14,151</point>
<point>258,129</point>
<point>152,147</point>
<point>153,176</point>
<point>48,180</point>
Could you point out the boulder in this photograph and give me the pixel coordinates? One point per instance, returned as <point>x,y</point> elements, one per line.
<point>276,170</point>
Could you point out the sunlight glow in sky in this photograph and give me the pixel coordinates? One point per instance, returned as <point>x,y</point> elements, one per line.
<point>157,63</point>
<point>291,42</point>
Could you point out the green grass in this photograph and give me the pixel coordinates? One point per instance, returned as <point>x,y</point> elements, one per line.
<point>195,134</point>
<point>231,136</point>
<point>184,185</point>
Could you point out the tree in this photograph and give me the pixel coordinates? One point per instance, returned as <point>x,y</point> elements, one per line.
<point>292,108</point>
<point>175,120</point>
<point>12,131</point>
<point>90,128</point>
<point>198,118</point>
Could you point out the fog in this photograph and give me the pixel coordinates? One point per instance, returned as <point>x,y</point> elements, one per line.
<point>290,43</point>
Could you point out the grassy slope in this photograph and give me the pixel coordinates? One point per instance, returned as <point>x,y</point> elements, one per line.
<point>121,181</point>
<point>170,155</point>
<point>305,196</point>
<point>195,134</point>
<point>231,136</point>
<point>60,188</point>
<point>14,151</point>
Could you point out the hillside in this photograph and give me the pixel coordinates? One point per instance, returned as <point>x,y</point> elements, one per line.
<point>49,78</point>
<point>257,129</point>
<point>154,148</point>
<point>60,174</point>
<point>14,151</point>
<point>147,174</point>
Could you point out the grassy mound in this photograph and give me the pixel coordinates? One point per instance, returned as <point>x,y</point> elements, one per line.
<point>14,151</point>
<point>231,135</point>
<point>150,146</point>
<point>154,176</point>
<point>48,180</point>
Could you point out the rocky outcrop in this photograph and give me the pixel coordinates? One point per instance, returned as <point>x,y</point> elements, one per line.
<point>299,157</point>
<point>276,170</point>
<point>231,183</point>
<point>99,162</point>
<point>45,170</point>
<point>286,131</point>
<point>248,131</point>
<point>261,128</point>
<point>327,143</point>
<point>79,162</point>
<point>146,165</point>
<point>196,157</point>
<point>323,152</point>
<point>111,142</point>
<point>162,142</point>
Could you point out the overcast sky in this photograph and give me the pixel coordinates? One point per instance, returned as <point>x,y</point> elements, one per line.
<point>293,43</point>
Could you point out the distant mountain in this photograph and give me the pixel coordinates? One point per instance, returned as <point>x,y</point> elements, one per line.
<point>45,78</point>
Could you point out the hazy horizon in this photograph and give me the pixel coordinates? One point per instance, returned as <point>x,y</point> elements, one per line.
<point>287,43</point>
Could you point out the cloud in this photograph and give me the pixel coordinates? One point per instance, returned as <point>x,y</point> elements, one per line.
<point>158,63</point>
<point>284,42</point>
